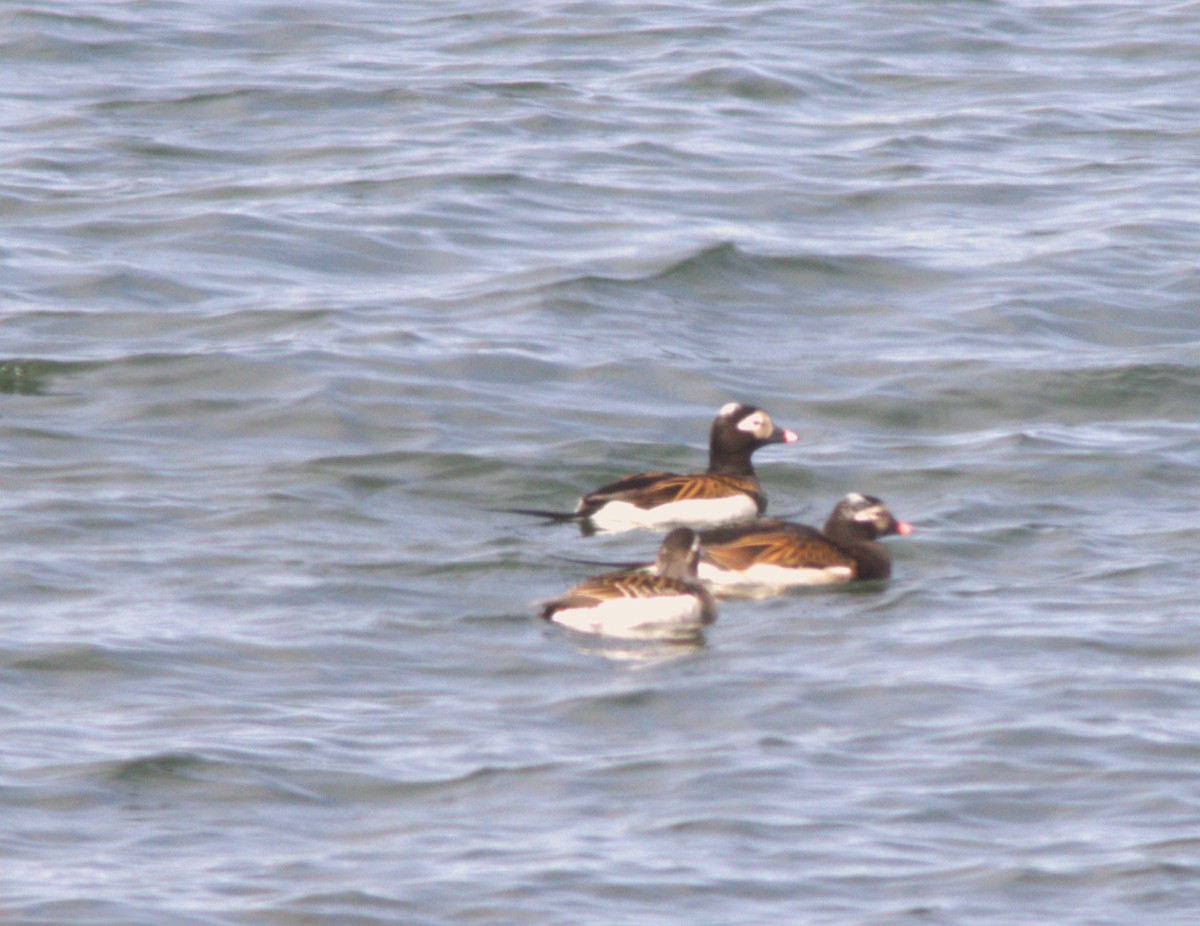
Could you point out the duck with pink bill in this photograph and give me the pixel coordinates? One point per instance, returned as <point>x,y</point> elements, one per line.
<point>768,557</point>
<point>727,492</point>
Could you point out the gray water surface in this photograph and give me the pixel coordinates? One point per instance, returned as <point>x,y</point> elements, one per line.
<point>293,296</point>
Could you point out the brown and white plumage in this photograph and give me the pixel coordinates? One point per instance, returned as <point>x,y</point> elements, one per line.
<point>669,602</point>
<point>647,491</point>
<point>726,493</point>
<point>764,557</point>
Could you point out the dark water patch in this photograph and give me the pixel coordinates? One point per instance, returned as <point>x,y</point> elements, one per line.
<point>56,37</point>
<point>966,395</point>
<point>164,767</point>
<point>364,908</point>
<point>742,82</point>
<point>921,196</point>
<point>487,781</point>
<point>557,90</point>
<point>75,658</point>
<point>98,912</point>
<point>264,104</point>
<point>167,776</point>
<point>735,266</point>
<point>1156,390</point>
<point>218,780</point>
<point>741,270</point>
<point>33,377</point>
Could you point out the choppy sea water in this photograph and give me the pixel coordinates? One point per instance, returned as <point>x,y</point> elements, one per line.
<point>294,295</point>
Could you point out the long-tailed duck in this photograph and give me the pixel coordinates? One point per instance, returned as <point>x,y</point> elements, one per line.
<point>727,492</point>
<point>669,603</point>
<point>766,557</point>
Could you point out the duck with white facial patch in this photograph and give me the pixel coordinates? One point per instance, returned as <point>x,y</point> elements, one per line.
<point>768,557</point>
<point>728,492</point>
<point>668,603</point>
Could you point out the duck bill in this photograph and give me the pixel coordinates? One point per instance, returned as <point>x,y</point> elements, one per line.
<point>903,528</point>
<point>782,436</point>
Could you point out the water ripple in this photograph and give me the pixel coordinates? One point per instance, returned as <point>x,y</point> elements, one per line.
<point>295,301</point>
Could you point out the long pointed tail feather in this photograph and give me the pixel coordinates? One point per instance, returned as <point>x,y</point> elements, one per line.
<point>556,517</point>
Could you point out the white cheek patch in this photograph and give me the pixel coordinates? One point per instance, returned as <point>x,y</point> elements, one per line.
<point>869,515</point>
<point>752,423</point>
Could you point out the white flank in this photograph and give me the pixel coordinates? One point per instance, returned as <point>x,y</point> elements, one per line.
<point>762,579</point>
<point>694,512</point>
<point>661,617</point>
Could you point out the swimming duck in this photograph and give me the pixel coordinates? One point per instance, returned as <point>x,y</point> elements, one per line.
<point>765,557</point>
<point>669,602</point>
<point>728,492</point>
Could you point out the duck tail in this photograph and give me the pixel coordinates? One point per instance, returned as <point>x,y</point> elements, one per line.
<point>552,517</point>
